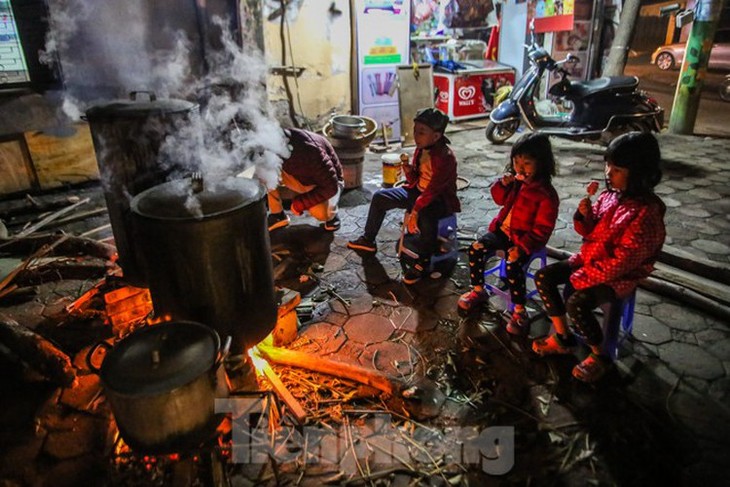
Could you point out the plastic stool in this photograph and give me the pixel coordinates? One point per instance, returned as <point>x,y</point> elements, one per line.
<point>617,315</point>
<point>500,270</point>
<point>448,251</point>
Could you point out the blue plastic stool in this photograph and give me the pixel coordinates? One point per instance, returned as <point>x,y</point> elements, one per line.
<point>500,270</point>
<point>448,251</point>
<point>617,314</point>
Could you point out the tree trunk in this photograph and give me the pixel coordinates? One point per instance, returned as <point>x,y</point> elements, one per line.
<point>621,42</point>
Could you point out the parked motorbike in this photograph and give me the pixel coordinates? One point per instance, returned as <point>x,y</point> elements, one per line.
<point>598,110</point>
<point>725,88</point>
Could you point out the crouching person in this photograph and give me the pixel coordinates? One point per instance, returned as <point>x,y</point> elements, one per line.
<point>314,173</point>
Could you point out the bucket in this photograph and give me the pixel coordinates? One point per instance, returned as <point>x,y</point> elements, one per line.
<point>352,159</point>
<point>350,150</point>
<point>391,169</point>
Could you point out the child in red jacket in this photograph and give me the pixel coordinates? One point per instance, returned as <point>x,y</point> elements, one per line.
<point>623,232</point>
<point>428,195</point>
<point>524,224</point>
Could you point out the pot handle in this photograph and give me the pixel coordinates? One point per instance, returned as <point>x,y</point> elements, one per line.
<point>90,354</point>
<point>150,94</point>
<point>223,353</point>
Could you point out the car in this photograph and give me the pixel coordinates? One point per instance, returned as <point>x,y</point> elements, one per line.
<point>670,56</point>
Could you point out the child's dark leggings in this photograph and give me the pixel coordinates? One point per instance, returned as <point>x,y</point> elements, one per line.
<point>580,304</point>
<point>478,255</point>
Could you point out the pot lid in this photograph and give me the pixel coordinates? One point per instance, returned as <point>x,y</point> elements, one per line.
<point>187,199</point>
<point>160,358</point>
<point>137,107</point>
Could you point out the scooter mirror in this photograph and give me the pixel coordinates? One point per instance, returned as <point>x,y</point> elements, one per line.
<point>571,58</point>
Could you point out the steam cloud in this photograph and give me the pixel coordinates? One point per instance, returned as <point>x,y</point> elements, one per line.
<point>109,48</point>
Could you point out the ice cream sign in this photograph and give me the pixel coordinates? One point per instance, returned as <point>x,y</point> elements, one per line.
<point>465,95</point>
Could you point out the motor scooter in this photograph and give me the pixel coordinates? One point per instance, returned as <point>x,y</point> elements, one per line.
<point>598,110</point>
<point>725,88</point>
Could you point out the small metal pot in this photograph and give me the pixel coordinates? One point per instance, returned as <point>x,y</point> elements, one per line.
<point>348,126</point>
<point>161,382</point>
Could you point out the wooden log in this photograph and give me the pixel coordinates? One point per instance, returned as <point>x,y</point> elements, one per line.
<point>688,296</point>
<point>69,246</point>
<point>716,271</point>
<point>710,288</point>
<point>13,294</point>
<point>23,265</point>
<point>38,353</point>
<point>61,269</point>
<point>356,373</point>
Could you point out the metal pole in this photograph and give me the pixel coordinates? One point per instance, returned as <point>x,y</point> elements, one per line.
<point>694,66</point>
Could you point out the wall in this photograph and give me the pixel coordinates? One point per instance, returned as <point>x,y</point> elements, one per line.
<point>320,43</point>
<point>40,150</point>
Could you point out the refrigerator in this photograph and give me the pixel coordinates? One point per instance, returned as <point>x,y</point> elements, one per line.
<point>383,39</point>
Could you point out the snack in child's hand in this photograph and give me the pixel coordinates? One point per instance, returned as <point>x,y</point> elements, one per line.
<point>520,177</point>
<point>592,188</point>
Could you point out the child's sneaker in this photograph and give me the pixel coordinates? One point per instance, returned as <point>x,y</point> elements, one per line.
<point>413,275</point>
<point>277,220</point>
<point>472,299</point>
<point>518,323</point>
<point>592,368</point>
<point>332,225</point>
<point>552,345</point>
<point>362,243</point>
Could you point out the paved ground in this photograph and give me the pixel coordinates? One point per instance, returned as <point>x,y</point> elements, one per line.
<point>663,416</point>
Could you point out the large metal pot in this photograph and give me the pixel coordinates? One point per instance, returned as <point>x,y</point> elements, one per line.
<point>127,137</point>
<point>161,382</point>
<point>208,257</point>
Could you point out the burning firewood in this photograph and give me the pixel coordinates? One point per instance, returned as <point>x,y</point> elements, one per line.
<point>40,354</point>
<point>356,373</point>
<point>263,367</point>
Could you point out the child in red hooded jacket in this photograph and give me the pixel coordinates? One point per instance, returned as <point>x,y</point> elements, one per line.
<point>524,224</point>
<point>623,233</point>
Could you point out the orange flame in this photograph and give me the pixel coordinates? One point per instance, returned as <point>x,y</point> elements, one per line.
<point>259,363</point>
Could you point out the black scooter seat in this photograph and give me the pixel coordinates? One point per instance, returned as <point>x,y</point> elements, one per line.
<point>618,84</point>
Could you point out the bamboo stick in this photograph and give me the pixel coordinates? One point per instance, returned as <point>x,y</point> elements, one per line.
<point>51,217</point>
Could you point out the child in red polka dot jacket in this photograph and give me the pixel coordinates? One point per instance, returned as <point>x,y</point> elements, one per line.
<point>623,233</point>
